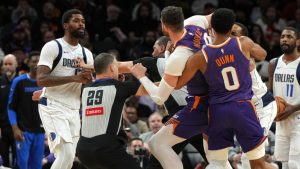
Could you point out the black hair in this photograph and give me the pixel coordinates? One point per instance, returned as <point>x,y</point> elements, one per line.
<point>33,53</point>
<point>68,15</point>
<point>294,30</point>
<point>173,17</point>
<point>222,20</point>
<point>102,61</point>
<point>135,138</point>
<point>244,31</point>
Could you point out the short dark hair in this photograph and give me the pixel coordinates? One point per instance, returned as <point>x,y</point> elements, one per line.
<point>68,15</point>
<point>222,20</point>
<point>294,30</point>
<point>244,29</point>
<point>163,41</point>
<point>173,17</point>
<point>102,61</point>
<point>33,53</point>
<point>135,138</point>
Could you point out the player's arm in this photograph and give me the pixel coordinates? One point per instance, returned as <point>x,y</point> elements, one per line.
<point>44,79</point>
<point>191,67</point>
<point>124,67</point>
<point>252,49</point>
<point>12,115</point>
<point>271,69</point>
<point>199,20</point>
<point>174,67</point>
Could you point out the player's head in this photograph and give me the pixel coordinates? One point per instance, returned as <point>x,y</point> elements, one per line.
<point>106,63</point>
<point>288,40</point>
<point>172,20</point>
<point>239,29</point>
<point>33,60</point>
<point>73,23</point>
<point>159,46</point>
<point>222,20</point>
<point>10,64</point>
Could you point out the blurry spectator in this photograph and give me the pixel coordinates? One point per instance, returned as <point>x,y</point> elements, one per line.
<point>296,22</point>
<point>289,9</point>
<point>51,15</point>
<point>145,47</point>
<point>19,40</point>
<point>114,26</point>
<point>203,7</point>
<point>24,118</point>
<point>39,30</point>
<point>132,116</point>
<point>257,35</point>
<point>25,24</point>
<point>270,21</point>
<point>144,21</point>
<point>7,141</point>
<point>257,11</point>
<point>275,49</point>
<point>48,36</point>
<point>155,123</point>
<point>143,110</point>
<point>139,151</point>
<point>155,11</point>
<point>23,10</point>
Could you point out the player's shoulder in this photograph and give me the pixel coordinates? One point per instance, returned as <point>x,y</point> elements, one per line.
<point>20,78</point>
<point>51,44</point>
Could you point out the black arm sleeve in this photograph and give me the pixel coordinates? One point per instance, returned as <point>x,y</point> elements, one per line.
<point>150,64</point>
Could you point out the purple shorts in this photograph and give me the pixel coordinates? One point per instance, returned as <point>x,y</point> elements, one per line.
<point>234,119</point>
<point>192,119</point>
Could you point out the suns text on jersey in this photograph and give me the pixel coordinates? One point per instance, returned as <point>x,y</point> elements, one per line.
<point>284,77</point>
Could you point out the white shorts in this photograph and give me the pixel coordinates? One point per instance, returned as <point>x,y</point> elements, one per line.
<point>287,138</point>
<point>267,115</point>
<point>60,122</point>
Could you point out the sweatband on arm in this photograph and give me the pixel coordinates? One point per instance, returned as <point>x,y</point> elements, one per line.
<point>159,94</point>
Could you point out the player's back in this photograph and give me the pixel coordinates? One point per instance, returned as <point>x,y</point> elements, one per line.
<point>227,73</point>
<point>286,81</point>
<point>195,39</point>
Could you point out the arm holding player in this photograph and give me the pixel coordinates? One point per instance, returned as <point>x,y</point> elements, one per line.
<point>160,93</point>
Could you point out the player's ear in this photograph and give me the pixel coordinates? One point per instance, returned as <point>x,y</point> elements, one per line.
<point>65,26</point>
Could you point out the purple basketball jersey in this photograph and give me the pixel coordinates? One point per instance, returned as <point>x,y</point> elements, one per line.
<point>194,40</point>
<point>227,73</point>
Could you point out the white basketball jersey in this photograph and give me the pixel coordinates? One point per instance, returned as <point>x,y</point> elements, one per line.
<point>259,88</point>
<point>67,94</point>
<point>285,81</point>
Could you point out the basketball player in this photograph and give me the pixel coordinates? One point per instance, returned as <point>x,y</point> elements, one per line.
<point>25,119</point>
<point>284,81</point>
<point>231,113</point>
<point>188,37</point>
<point>62,81</point>
<point>102,140</point>
<point>263,99</point>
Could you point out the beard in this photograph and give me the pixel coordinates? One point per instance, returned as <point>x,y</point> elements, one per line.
<point>78,33</point>
<point>287,49</point>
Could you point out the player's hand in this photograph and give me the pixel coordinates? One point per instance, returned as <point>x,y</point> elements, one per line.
<point>79,63</point>
<point>36,95</point>
<point>18,134</point>
<point>289,110</point>
<point>138,70</point>
<point>84,77</point>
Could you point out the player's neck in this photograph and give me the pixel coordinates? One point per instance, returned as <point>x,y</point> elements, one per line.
<point>287,58</point>
<point>32,74</point>
<point>220,39</point>
<point>103,76</point>
<point>71,40</point>
<point>176,36</point>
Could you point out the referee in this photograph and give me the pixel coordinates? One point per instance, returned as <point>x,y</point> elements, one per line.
<point>155,68</point>
<point>102,140</point>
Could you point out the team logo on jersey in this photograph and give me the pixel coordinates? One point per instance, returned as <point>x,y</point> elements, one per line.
<point>52,136</point>
<point>94,111</point>
<point>18,145</point>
